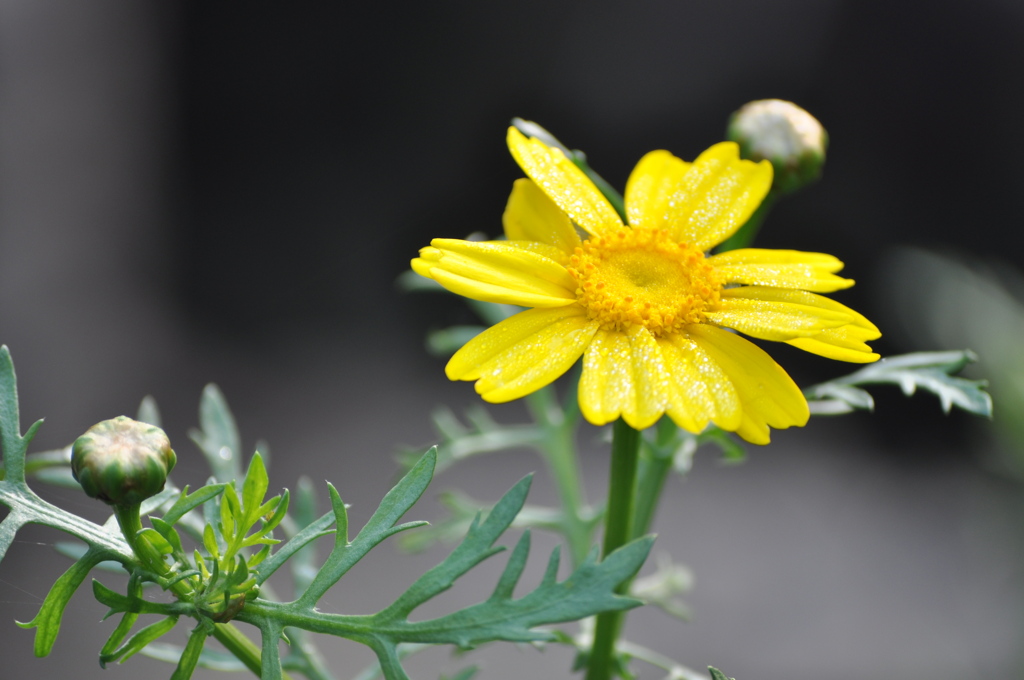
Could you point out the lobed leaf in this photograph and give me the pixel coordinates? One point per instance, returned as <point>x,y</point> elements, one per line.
<point>380,526</point>
<point>930,371</point>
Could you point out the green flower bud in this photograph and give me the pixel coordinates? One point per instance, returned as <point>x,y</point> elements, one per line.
<point>785,134</point>
<point>122,461</point>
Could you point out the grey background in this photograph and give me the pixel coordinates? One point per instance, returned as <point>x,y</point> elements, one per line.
<point>198,192</point>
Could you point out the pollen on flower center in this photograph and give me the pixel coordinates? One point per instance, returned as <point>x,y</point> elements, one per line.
<point>643,277</point>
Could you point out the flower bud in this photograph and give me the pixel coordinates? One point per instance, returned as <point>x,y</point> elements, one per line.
<point>785,134</point>
<point>122,461</point>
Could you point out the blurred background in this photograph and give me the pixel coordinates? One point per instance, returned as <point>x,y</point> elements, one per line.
<point>209,191</point>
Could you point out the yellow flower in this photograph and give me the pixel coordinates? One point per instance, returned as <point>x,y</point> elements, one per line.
<point>643,304</point>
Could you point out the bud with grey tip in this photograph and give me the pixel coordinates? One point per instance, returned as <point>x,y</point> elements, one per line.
<point>784,134</point>
<point>122,461</point>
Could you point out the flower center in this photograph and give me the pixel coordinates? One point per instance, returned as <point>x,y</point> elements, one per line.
<point>643,277</point>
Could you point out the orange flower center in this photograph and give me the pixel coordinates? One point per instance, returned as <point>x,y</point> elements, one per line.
<point>643,277</point>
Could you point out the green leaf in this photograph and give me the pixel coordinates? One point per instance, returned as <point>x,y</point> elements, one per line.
<point>13,445</point>
<point>119,603</point>
<point>590,589</point>
<point>717,674</point>
<point>732,450</point>
<point>462,510</point>
<point>190,655</point>
<point>319,528</point>
<point>930,371</point>
<point>47,621</point>
<point>210,542</point>
<point>148,412</point>
<point>139,641</point>
<point>124,627</point>
<point>474,548</point>
<point>155,539</point>
<point>218,436</point>
<point>254,489</point>
<point>484,436</point>
<point>189,502</point>
<point>380,526</point>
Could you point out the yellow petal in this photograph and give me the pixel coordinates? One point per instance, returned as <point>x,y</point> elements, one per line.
<point>781,269</point>
<point>497,272</point>
<point>717,195</point>
<point>531,216</point>
<point>800,297</point>
<point>548,251</point>
<point>523,353</point>
<point>650,189</point>
<point>765,316</point>
<point>845,343</point>
<point>564,183</point>
<point>769,395</point>
<point>616,368</point>
<point>607,380</point>
<point>700,389</point>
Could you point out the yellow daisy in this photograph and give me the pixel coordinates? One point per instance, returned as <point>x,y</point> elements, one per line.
<point>643,304</point>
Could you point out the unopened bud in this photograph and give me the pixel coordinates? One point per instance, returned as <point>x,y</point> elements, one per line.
<point>122,461</point>
<point>785,134</point>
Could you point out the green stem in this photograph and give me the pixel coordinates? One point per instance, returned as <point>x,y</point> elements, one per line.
<point>228,635</point>
<point>618,523</point>
<point>131,524</point>
<point>654,470</point>
<point>558,449</point>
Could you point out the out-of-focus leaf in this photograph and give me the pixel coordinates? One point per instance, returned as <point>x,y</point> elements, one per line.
<point>148,412</point>
<point>218,435</point>
<point>930,371</point>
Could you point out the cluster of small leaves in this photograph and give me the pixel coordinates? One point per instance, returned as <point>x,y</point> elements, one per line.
<point>225,577</point>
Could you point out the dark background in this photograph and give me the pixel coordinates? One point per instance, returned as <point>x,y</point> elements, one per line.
<point>227,191</point>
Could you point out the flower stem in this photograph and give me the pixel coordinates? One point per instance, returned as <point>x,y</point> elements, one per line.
<point>559,452</point>
<point>618,529</point>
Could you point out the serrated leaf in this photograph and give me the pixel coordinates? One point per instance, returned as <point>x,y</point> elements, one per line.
<point>380,526</point>
<point>13,445</point>
<point>589,590</point>
<point>485,436</point>
<point>930,371</point>
<point>837,399</point>
<point>319,528</point>
<point>47,621</point>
